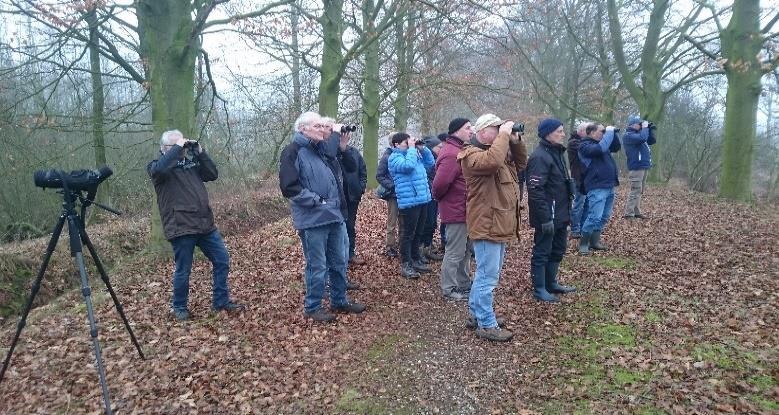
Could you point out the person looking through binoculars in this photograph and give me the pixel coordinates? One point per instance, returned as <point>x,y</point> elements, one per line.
<point>178,177</point>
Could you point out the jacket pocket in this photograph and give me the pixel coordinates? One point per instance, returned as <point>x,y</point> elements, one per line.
<point>186,218</point>
<point>504,222</point>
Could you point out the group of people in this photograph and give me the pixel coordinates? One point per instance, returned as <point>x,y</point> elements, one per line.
<point>471,177</point>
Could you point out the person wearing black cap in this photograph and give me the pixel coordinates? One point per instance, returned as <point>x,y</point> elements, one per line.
<point>550,193</point>
<point>449,191</point>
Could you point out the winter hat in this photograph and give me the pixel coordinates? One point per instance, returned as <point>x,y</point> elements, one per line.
<point>634,119</point>
<point>456,124</point>
<point>432,142</point>
<point>547,126</point>
<point>487,120</point>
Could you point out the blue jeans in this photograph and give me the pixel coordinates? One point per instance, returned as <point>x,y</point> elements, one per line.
<point>489,261</point>
<point>214,249</point>
<point>600,204</point>
<point>325,249</point>
<point>579,208</point>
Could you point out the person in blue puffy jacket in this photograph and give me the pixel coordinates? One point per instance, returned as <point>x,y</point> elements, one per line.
<point>408,166</point>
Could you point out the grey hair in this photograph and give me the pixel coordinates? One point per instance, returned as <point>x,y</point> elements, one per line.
<point>328,120</point>
<point>305,118</point>
<point>583,125</point>
<point>166,136</point>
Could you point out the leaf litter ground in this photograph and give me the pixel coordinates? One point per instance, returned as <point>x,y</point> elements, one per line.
<point>680,316</point>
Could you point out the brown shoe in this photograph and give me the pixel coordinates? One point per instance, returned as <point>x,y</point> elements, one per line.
<point>495,334</point>
<point>472,324</point>
<point>321,316</point>
<point>356,260</point>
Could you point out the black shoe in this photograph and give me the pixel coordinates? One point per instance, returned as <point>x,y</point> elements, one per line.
<point>560,289</point>
<point>408,271</point>
<point>629,217</point>
<point>391,252</point>
<point>456,296</point>
<point>431,254</point>
<point>181,315</point>
<point>230,306</point>
<point>640,216</point>
<point>595,242</point>
<point>321,316</point>
<point>353,308</point>
<point>352,285</point>
<point>420,266</point>
<point>543,295</point>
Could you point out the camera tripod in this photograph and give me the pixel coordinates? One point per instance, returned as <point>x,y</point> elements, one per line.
<point>77,235</point>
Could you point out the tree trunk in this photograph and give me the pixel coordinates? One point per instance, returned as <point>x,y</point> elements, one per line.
<point>98,102</point>
<point>332,58</point>
<point>297,95</point>
<point>168,49</point>
<point>371,97</point>
<point>741,44</point>
<point>404,50</point>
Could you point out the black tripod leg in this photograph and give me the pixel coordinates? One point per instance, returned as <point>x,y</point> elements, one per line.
<point>75,249</point>
<point>36,286</point>
<point>104,277</point>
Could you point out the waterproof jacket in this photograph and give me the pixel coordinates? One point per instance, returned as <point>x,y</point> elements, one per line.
<point>573,157</point>
<point>449,183</point>
<point>355,181</point>
<point>600,169</point>
<point>409,171</point>
<point>637,142</point>
<point>310,177</point>
<point>383,175</point>
<point>548,193</point>
<point>493,188</point>
<point>181,195</point>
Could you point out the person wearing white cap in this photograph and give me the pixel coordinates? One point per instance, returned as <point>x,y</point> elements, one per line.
<point>491,174</point>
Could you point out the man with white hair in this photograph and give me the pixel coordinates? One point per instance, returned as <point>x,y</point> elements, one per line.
<point>187,219</point>
<point>310,178</point>
<point>579,209</point>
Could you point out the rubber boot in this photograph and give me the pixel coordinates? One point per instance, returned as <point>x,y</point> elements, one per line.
<point>551,280</point>
<point>537,274</point>
<point>584,244</point>
<point>595,242</point>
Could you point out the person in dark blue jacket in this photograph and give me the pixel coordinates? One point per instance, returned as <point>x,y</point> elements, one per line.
<point>637,139</point>
<point>600,176</point>
<point>310,178</point>
<point>408,165</point>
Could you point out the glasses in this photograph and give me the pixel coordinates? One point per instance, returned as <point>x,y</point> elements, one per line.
<point>319,126</point>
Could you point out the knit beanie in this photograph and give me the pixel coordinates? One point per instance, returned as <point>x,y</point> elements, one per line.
<point>547,126</point>
<point>456,124</point>
<point>634,119</point>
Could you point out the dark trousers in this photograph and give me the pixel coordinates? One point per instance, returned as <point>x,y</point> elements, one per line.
<point>430,223</point>
<point>548,248</point>
<point>351,221</point>
<point>412,225</point>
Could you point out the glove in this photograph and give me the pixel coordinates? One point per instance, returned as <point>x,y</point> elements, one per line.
<point>547,228</point>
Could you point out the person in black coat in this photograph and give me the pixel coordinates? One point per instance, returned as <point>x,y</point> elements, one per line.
<point>354,186</point>
<point>550,192</point>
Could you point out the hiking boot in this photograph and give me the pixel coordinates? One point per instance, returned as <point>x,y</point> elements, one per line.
<point>456,296</point>
<point>595,242</point>
<point>230,307</point>
<point>355,260</point>
<point>431,254</point>
<point>408,271</point>
<point>628,217</point>
<point>494,334</point>
<point>584,244</point>
<point>320,315</point>
<point>472,324</point>
<point>420,266</point>
<point>352,285</point>
<point>391,252</point>
<point>353,308</point>
<point>181,314</point>
<point>421,257</point>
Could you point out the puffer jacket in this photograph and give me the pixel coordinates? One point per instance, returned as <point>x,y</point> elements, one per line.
<point>449,183</point>
<point>492,180</point>
<point>310,177</point>
<point>409,172</point>
<point>181,195</point>
<point>548,193</point>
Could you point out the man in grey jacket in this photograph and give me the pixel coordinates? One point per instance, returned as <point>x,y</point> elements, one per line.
<point>187,219</point>
<point>310,178</point>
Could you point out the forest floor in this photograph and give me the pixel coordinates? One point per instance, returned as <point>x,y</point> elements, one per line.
<point>680,316</point>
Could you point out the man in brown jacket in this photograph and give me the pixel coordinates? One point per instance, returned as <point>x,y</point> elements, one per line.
<point>492,208</point>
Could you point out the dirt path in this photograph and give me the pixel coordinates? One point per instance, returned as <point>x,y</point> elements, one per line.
<point>679,317</point>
